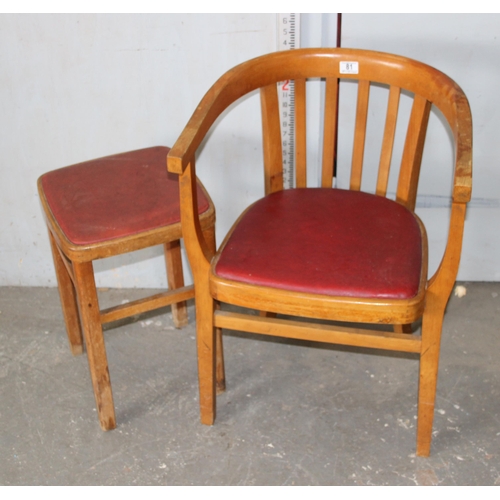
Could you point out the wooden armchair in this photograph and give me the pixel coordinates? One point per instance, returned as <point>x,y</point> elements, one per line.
<point>323,253</point>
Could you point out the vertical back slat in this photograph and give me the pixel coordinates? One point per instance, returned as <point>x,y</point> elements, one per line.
<point>412,154</point>
<point>388,140</point>
<point>271,138</point>
<point>359,134</point>
<point>330,131</point>
<point>300,134</point>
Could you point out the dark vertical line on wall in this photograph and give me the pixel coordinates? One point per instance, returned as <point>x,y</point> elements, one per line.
<point>339,44</point>
<point>339,30</point>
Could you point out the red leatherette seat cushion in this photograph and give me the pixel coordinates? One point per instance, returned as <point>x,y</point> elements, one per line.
<point>326,241</point>
<point>116,196</point>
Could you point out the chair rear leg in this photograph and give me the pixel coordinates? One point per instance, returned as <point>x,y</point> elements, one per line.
<point>68,298</point>
<point>220,374</point>
<point>405,328</point>
<point>94,339</point>
<point>175,279</point>
<point>432,323</point>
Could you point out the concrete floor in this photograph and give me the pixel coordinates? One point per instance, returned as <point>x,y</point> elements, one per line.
<point>293,414</point>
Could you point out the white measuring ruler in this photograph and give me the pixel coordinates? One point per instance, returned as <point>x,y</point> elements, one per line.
<point>288,39</point>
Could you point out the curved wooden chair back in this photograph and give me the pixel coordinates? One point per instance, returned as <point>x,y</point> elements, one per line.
<point>429,86</point>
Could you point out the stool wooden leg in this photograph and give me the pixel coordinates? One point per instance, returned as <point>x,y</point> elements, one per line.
<point>94,339</point>
<point>175,278</point>
<point>68,298</point>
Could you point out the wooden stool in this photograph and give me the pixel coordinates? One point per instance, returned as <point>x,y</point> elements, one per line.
<point>107,207</point>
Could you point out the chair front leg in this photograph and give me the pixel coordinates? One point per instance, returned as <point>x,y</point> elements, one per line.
<point>94,339</point>
<point>68,298</point>
<point>220,373</point>
<point>432,323</point>
<point>206,345</point>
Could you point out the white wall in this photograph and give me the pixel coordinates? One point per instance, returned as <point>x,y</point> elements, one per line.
<point>76,87</point>
<point>466,48</point>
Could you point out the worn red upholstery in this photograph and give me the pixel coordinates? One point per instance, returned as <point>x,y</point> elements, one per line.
<point>333,242</point>
<point>115,196</point>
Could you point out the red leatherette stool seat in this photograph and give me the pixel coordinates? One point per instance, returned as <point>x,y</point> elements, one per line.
<point>115,196</point>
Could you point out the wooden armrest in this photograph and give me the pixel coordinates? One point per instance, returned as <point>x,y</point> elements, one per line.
<point>462,184</point>
<point>184,149</point>
<point>223,93</point>
<point>182,152</point>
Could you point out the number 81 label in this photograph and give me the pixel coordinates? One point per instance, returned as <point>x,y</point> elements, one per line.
<point>349,67</point>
